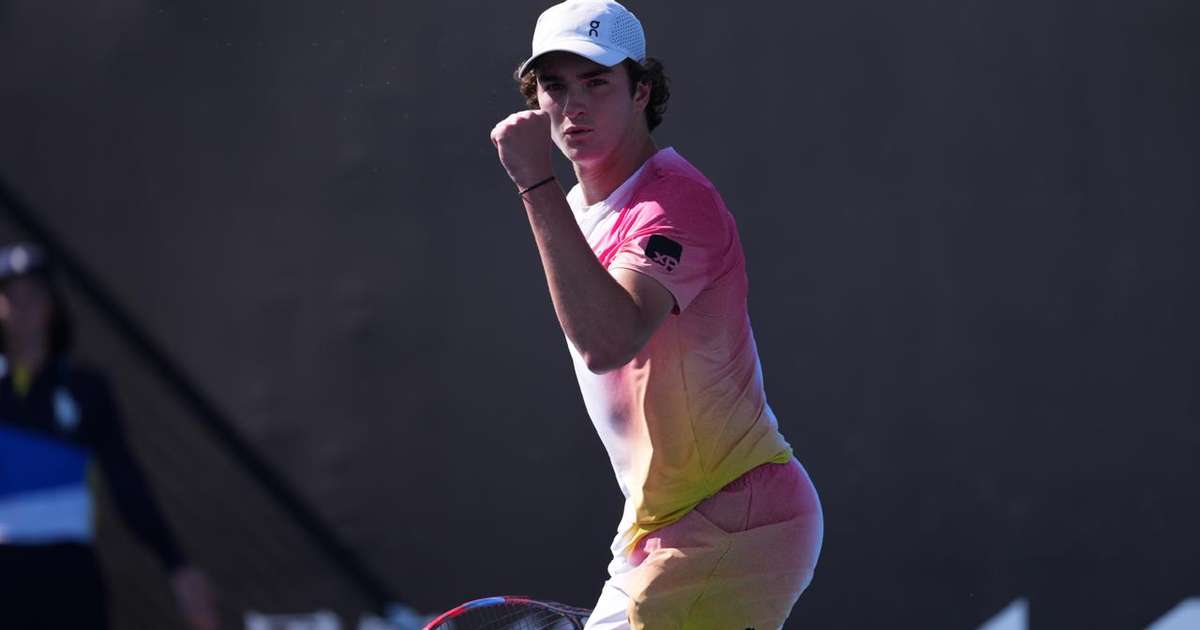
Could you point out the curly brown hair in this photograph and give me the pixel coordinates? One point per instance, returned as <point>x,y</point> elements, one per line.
<point>649,71</point>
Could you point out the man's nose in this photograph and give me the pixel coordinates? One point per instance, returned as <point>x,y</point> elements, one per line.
<point>573,103</point>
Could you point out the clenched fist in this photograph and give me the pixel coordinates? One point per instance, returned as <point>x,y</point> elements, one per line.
<point>523,143</point>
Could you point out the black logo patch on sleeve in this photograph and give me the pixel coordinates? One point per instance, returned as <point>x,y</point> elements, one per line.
<point>664,251</point>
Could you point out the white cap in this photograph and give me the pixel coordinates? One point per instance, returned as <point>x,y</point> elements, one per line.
<point>600,30</point>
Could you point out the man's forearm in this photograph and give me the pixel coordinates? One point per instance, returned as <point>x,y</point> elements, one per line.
<point>596,313</point>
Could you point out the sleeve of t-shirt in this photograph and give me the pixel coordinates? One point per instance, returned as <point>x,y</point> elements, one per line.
<point>678,235</point>
<point>126,479</point>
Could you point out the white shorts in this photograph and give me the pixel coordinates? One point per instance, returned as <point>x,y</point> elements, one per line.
<point>740,559</point>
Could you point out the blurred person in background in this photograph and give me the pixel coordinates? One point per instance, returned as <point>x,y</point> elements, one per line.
<point>55,418</point>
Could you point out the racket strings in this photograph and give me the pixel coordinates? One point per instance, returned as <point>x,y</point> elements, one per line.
<point>514,616</point>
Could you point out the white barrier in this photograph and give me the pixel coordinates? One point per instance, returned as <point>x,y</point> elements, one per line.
<point>1015,616</point>
<point>1185,616</point>
<point>320,620</point>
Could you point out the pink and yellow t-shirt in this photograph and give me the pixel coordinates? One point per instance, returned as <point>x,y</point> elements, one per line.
<point>688,414</point>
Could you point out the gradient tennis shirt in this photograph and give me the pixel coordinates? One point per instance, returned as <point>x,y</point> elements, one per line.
<point>688,414</point>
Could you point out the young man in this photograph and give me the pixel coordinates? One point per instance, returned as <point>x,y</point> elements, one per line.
<point>722,526</point>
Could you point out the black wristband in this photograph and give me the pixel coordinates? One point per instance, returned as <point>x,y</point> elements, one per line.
<point>541,183</point>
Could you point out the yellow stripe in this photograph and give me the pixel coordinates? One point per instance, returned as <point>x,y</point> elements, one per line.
<point>22,379</point>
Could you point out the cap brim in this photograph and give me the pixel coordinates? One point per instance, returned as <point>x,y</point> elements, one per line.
<point>582,47</point>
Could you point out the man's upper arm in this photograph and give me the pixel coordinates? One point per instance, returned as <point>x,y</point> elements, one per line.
<point>654,302</point>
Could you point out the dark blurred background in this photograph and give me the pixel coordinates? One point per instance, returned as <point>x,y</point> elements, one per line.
<point>971,236</point>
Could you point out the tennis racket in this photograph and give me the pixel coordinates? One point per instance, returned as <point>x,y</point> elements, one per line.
<point>511,613</point>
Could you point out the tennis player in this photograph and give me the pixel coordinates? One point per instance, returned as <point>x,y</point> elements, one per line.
<point>722,526</point>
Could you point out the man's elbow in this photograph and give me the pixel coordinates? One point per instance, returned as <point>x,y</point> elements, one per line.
<point>602,361</point>
<point>608,352</point>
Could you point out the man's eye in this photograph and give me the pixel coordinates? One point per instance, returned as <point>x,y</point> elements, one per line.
<point>597,82</point>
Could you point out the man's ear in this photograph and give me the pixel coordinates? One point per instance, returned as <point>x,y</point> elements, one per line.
<point>641,95</point>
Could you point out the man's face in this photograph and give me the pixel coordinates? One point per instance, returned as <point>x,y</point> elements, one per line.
<point>590,107</point>
<point>25,306</point>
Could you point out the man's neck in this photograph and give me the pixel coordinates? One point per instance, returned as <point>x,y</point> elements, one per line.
<point>599,181</point>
